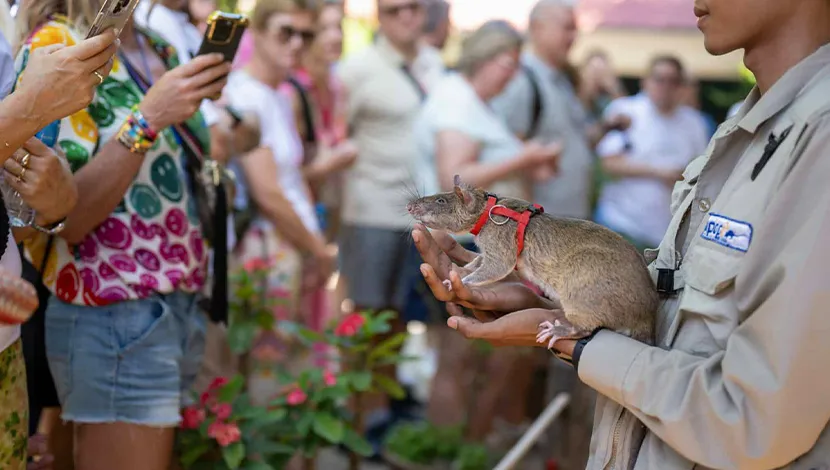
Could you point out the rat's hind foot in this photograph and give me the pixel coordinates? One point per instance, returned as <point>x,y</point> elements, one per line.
<point>448,284</point>
<point>551,332</point>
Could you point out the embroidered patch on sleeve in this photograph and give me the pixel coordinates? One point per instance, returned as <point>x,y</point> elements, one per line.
<point>728,232</point>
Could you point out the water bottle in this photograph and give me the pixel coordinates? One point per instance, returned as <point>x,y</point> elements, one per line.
<point>20,214</point>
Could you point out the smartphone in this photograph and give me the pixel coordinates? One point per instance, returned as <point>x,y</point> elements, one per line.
<point>49,134</point>
<point>113,14</point>
<point>223,34</point>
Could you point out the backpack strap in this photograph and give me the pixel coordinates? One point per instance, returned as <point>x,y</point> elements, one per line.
<point>536,108</point>
<point>308,116</point>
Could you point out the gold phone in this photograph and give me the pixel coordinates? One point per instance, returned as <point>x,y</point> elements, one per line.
<point>223,34</point>
<point>113,14</point>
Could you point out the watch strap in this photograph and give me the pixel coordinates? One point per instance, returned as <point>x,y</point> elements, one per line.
<point>580,345</point>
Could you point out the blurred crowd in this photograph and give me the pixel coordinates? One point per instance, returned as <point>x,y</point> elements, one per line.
<point>326,149</point>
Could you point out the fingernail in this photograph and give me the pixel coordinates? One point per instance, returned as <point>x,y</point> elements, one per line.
<point>452,323</point>
<point>424,271</point>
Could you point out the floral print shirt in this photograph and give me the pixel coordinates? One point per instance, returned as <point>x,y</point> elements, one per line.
<point>152,242</point>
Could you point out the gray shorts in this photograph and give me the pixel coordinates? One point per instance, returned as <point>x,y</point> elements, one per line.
<point>380,266</point>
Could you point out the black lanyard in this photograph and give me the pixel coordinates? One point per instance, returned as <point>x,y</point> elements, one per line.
<point>422,94</point>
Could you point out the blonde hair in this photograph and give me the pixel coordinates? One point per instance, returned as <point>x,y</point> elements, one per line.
<point>265,9</point>
<point>491,39</point>
<point>35,13</point>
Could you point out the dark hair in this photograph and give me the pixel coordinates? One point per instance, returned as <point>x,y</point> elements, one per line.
<point>670,60</point>
<point>437,11</point>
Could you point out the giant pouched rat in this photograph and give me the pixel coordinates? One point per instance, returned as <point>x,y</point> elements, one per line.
<point>598,277</point>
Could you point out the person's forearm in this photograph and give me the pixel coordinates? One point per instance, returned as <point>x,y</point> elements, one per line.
<point>281,213</point>
<point>18,123</point>
<point>623,167</point>
<point>595,133</point>
<point>482,174</point>
<point>102,184</point>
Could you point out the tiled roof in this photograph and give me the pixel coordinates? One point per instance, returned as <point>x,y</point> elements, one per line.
<point>652,14</point>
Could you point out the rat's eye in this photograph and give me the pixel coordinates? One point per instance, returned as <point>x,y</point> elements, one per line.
<point>441,200</point>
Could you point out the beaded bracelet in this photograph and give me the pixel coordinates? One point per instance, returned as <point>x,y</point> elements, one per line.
<point>136,134</point>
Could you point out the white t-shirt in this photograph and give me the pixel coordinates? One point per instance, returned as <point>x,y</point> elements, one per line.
<point>279,133</point>
<point>11,259</point>
<point>641,207</point>
<point>175,28</point>
<point>454,105</point>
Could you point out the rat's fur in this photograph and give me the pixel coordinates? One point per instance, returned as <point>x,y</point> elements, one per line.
<point>598,277</point>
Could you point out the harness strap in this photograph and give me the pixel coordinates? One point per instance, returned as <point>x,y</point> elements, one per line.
<point>523,218</point>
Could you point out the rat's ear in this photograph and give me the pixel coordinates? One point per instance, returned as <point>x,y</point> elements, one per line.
<point>463,194</point>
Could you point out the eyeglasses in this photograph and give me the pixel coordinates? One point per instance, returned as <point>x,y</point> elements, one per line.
<point>396,10</point>
<point>287,32</point>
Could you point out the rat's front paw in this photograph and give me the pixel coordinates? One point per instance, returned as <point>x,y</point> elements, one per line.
<point>551,332</point>
<point>448,284</point>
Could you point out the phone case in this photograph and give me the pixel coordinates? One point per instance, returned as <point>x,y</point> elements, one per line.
<point>113,14</point>
<point>223,34</point>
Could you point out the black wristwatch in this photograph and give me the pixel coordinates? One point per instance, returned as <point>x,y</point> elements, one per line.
<point>577,354</point>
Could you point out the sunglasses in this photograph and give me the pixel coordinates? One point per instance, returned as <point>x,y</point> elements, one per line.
<point>663,80</point>
<point>287,32</point>
<point>396,10</point>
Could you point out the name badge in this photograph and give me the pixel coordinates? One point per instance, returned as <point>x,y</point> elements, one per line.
<point>728,232</point>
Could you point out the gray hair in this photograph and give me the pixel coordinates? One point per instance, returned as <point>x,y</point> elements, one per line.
<point>487,42</point>
<point>543,6</point>
<point>437,12</point>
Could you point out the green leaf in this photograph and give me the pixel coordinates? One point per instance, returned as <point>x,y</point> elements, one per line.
<point>361,381</point>
<point>241,336</point>
<point>356,443</point>
<point>234,454</point>
<point>231,389</point>
<point>192,453</point>
<point>388,346</point>
<point>328,427</point>
<point>396,359</point>
<point>391,387</point>
<point>304,423</point>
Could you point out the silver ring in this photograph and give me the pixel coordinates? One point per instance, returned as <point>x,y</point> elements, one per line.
<point>100,77</point>
<point>490,215</point>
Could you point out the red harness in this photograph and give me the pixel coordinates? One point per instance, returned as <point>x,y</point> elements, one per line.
<point>522,218</point>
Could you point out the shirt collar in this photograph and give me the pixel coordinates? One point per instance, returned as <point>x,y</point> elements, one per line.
<point>758,109</point>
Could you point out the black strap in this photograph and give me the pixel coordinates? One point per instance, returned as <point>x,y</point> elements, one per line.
<point>536,108</point>
<point>772,145</point>
<point>308,116</point>
<point>5,227</point>
<point>422,94</point>
<point>218,229</point>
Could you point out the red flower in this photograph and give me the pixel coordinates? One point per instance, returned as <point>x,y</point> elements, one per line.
<point>350,325</point>
<point>222,411</point>
<point>205,398</point>
<point>217,383</point>
<point>192,417</point>
<point>296,397</point>
<point>257,264</point>
<point>329,378</point>
<point>224,433</point>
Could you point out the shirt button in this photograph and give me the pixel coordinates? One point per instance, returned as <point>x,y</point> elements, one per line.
<point>704,205</point>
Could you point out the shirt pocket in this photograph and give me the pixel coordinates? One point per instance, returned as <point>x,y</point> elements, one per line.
<point>707,313</point>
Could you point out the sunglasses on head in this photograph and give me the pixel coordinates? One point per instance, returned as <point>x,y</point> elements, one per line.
<point>396,10</point>
<point>286,32</point>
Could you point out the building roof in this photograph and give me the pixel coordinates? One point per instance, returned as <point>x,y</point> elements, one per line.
<point>648,14</point>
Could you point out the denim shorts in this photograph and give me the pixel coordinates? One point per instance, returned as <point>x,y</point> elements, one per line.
<point>130,362</point>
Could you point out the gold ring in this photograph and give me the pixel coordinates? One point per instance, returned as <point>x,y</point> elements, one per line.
<point>22,175</point>
<point>100,77</point>
<point>24,162</point>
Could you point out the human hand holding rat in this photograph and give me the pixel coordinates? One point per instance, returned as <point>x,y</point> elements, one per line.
<point>519,328</point>
<point>440,252</point>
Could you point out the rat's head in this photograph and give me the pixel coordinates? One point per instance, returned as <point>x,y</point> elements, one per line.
<point>456,211</point>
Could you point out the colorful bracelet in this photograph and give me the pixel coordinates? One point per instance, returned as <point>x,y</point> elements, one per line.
<point>136,134</point>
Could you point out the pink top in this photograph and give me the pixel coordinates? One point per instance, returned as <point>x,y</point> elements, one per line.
<point>245,51</point>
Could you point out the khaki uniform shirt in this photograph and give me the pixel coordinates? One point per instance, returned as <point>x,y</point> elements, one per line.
<point>383,104</point>
<point>740,375</point>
